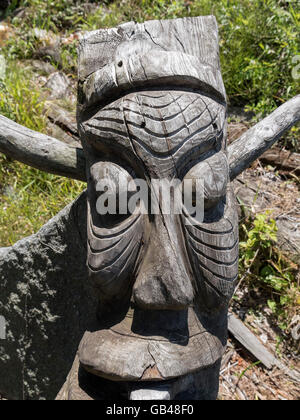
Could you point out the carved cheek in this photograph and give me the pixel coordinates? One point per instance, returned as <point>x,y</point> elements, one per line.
<point>113,242</point>
<point>214,172</point>
<point>213,249</point>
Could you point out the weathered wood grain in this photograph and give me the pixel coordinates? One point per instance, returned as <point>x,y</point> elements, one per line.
<point>40,151</point>
<point>254,142</point>
<point>176,52</point>
<point>244,336</point>
<point>152,107</point>
<point>80,385</point>
<point>241,153</point>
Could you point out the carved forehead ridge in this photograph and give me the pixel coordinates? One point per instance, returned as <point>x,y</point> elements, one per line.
<point>134,56</point>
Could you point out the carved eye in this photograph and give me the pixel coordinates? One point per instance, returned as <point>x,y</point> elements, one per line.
<point>212,176</point>
<point>111,189</point>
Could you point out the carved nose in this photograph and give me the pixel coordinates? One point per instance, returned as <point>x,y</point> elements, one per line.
<point>164,281</point>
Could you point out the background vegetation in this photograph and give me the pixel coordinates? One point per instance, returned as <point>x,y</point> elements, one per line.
<point>258,38</point>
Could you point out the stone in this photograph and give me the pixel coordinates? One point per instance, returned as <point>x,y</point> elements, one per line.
<point>58,84</point>
<point>47,305</point>
<point>43,67</point>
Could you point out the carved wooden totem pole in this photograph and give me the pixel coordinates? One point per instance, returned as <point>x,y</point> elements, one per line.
<point>152,106</point>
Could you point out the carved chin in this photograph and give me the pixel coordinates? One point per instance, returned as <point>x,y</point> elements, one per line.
<point>145,346</point>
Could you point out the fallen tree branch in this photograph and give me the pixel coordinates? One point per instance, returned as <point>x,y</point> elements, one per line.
<point>41,151</point>
<point>245,337</point>
<point>283,159</point>
<point>254,142</point>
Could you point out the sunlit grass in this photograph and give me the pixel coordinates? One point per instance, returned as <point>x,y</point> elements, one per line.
<point>29,198</point>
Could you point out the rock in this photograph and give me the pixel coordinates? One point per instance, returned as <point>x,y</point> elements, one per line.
<point>46,37</point>
<point>58,84</point>
<point>46,304</point>
<point>58,133</point>
<point>62,124</point>
<point>49,53</point>
<point>63,118</point>
<point>72,38</point>
<point>43,67</point>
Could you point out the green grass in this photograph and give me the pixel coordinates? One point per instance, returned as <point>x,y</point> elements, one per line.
<point>20,98</point>
<point>258,38</point>
<point>28,197</point>
<point>267,271</point>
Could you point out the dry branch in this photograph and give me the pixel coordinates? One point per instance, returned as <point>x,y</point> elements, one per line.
<point>41,151</point>
<point>244,336</point>
<point>254,142</point>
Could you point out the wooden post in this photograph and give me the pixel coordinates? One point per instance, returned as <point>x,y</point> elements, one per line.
<point>152,108</point>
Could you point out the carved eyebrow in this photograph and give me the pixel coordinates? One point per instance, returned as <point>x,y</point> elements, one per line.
<point>151,107</point>
<point>123,124</point>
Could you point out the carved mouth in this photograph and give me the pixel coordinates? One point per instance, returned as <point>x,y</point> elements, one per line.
<point>202,385</point>
<point>151,346</point>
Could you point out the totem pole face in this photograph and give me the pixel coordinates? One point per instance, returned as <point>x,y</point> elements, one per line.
<point>150,109</point>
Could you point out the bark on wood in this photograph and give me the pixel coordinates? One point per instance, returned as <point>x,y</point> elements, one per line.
<point>254,142</point>
<point>41,151</point>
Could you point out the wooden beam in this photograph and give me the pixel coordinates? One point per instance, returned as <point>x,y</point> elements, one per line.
<point>254,142</point>
<point>250,342</point>
<point>244,336</point>
<point>41,151</point>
